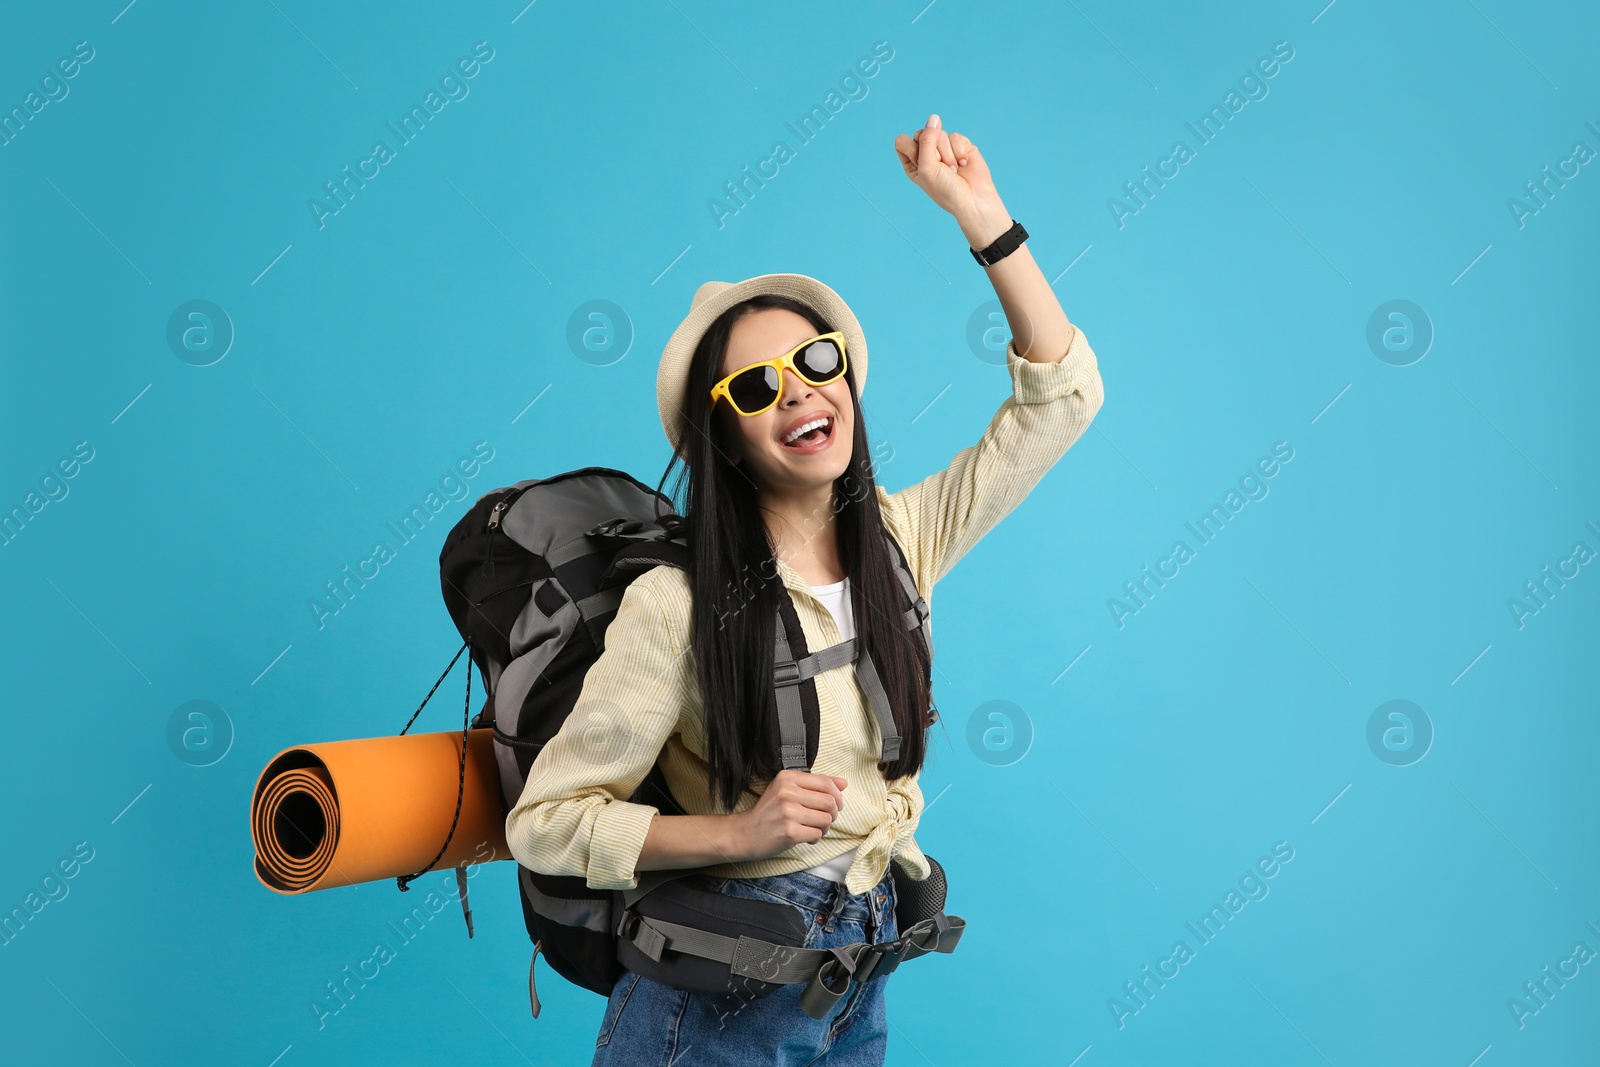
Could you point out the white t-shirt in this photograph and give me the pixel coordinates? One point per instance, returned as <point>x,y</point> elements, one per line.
<point>836,598</point>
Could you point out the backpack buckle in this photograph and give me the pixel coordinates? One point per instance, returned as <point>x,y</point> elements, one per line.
<point>786,673</point>
<point>880,960</point>
<point>617,527</point>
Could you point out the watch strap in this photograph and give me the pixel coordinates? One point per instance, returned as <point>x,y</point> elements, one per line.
<point>1002,246</point>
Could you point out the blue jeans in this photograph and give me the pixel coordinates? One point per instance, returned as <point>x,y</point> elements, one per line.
<point>647,1024</point>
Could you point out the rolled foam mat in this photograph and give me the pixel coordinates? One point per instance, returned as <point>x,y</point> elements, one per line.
<point>344,812</point>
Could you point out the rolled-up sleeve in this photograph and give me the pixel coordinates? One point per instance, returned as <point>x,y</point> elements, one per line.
<point>1050,407</point>
<point>573,817</point>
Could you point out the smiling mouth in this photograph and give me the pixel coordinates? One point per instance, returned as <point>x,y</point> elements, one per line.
<point>811,438</point>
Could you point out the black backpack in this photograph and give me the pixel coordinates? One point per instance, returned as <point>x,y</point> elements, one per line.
<point>532,576</point>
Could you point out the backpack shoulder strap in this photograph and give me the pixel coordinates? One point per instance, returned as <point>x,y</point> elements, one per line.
<point>793,678</point>
<point>794,669</point>
<point>917,615</point>
<point>878,698</point>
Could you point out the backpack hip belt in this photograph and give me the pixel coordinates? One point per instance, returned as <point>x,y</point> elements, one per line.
<point>827,972</point>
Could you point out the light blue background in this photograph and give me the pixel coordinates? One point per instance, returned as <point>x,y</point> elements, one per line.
<point>1229,714</point>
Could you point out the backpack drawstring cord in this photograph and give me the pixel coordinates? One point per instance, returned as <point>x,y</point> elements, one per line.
<point>461,782</point>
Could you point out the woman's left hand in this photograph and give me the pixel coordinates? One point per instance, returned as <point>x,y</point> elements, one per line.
<point>951,170</point>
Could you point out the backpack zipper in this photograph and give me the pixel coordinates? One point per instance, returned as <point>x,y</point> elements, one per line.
<point>505,502</point>
<point>494,523</point>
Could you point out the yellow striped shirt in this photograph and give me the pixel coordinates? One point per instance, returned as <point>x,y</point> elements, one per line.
<point>640,699</point>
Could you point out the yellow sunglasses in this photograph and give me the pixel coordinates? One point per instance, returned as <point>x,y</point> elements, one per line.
<point>756,388</point>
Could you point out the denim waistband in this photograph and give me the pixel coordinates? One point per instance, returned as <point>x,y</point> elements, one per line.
<point>819,894</point>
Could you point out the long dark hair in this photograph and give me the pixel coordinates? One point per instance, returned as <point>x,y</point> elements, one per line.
<point>736,586</point>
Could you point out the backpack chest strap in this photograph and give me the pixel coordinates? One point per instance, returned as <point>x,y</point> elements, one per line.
<point>789,674</point>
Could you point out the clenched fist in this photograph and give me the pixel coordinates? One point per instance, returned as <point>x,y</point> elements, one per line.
<point>951,170</point>
<point>796,808</point>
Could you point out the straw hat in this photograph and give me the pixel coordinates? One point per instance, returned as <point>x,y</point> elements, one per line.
<point>712,299</point>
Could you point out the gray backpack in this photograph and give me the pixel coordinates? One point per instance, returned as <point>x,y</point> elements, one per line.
<point>532,576</point>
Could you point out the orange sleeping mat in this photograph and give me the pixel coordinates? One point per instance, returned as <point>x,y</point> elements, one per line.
<point>344,812</point>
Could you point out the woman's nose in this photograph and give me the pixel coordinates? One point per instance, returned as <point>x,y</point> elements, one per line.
<point>795,388</point>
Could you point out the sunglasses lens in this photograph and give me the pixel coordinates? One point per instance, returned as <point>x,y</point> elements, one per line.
<point>755,389</point>
<point>819,362</point>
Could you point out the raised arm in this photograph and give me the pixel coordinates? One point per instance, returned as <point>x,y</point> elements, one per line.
<point>1055,378</point>
<point>952,171</point>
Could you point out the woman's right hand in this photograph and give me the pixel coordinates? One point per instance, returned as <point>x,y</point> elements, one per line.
<point>796,808</point>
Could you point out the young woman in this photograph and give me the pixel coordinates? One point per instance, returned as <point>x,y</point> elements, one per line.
<point>781,500</point>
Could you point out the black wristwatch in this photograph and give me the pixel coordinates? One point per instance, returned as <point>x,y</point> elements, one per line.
<point>1002,247</point>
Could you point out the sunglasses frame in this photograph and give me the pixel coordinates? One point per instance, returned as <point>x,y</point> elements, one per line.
<point>720,390</point>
